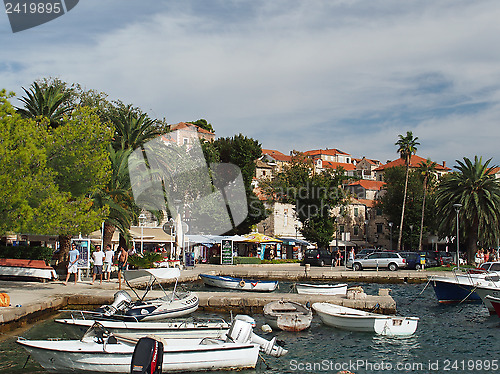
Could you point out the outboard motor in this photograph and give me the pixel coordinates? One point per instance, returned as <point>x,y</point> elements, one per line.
<point>147,357</point>
<point>121,302</point>
<point>240,331</point>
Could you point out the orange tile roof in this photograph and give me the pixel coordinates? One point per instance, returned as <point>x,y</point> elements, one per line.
<point>331,152</point>
<point>414,163</point>
<point>277,155</point>
<point>183,125</point>
<point>368,203</point>
<point>335,165</point>
<point>368,184</point>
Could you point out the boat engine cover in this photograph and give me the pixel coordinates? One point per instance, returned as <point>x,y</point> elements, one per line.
<point>121,301</point>
<point>240,331</point>
<point>147,357</point>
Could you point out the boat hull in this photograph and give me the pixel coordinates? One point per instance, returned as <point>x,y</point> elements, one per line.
<point>238,283</point>
<point>483,292</point>
<point>321,289</point>
<point>356,320</point>
<point>79,357</point>
<point>167,330</point>
<point>495,302</point>
<point>287,315</point>
<point>449,291</point>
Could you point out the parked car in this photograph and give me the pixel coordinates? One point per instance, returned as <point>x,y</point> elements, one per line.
<point>413,260</point>
<point>319,257</point>
<point>432,258</point>
<point>364,252</point>
<point>391,260</point>
<point>446,257</point>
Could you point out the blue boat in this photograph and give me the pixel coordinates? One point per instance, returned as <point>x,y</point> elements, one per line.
<point>454,290</point>
<point>238,283</point>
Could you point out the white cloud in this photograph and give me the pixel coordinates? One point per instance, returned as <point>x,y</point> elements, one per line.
<point>299,75</point>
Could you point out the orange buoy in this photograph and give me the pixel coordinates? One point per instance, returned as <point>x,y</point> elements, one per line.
<point>4,299</point>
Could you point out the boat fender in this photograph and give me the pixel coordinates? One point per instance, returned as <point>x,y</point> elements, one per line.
<point>4,299</point>
<point>242,283</point>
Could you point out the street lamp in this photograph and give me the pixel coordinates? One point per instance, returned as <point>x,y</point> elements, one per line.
<point>411,236</point>
<point>390,227</point>
<point>142,219</point>
<point>264,226</point>
<point>366,230</point>
<point>457,209</point>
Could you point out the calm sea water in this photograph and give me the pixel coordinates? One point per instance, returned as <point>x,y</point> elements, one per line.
<point>449,339</point>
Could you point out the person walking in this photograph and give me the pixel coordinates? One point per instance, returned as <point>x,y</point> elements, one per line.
<point>98,257</point>
<point>108,261</point>
<point>122,264</point>
<point>74,255</point>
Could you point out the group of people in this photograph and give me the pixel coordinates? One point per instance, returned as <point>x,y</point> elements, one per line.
<point>103,262</point>
<point>485,255</point>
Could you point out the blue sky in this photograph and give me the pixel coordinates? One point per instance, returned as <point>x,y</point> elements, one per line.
<point>302,75</point>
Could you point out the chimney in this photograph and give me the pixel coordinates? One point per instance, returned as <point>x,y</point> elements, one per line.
<point>444,163</point>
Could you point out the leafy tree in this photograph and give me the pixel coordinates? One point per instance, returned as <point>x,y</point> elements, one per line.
<point>474,186</point>
<point>426,170</point>
<point>314,196</point>
<point>407,146</point>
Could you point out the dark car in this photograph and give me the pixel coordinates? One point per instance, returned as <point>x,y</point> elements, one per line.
<point>413,260</point>
<point>364,252</point>
<point>319,257</point>
<point>432,258</point>
<point>446,258</point>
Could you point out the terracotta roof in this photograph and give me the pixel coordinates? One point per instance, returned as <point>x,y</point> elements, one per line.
<point>335,165</point>
<point>414,162</point>
<point>373,162</point>
<point>183,125</point>
<point>261,195</point>
<point>331,152</point>
<point>368,203</point>
<point>368,184</point>
<point>277,155</point>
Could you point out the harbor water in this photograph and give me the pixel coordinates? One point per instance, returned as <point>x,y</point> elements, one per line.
<point>449,339</point>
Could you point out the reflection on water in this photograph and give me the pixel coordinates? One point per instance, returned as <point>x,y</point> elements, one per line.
<point>445,332</point>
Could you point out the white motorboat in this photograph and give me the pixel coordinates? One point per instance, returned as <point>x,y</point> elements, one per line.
<point>186,328</point>
<point>288,315</point>
<point>495,302</point>
<point>101,352</point>
<point>321,289</point>
<point>358,320</point>
<point>484,291</point>
<point>174,304</point>
<point>238,283</point>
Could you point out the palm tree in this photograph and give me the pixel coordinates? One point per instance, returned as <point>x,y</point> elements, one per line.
<point>133,128</point>
<point>407,147</point>
<point>477,189</point>
<point>52,102</point>
<point>426,169</point>
<point>117,195</point>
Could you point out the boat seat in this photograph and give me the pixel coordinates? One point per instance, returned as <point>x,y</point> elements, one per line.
<point>210,341</point>
<point>284,310</point>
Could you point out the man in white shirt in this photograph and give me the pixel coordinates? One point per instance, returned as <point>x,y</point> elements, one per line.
<point>98,257</point>
<point>108,261</point>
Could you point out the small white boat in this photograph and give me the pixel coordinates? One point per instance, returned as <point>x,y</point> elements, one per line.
<point>187,328</point>
<point>238,283</point>
<point>174,304</point>
<point>495,302</point>
<point>101,352</point>
<point>492,291</point>
<point>36,269</point>
<point>287,315</point>
<point>321,289</point>
<point>358,320</point>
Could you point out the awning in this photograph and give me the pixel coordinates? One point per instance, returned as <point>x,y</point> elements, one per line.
<point>294,241</point>
<point>342,243</point>
<point>256,237</point>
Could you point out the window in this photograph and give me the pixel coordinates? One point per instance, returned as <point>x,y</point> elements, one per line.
<point>356,213</point>
<point>356,230</point>
<point>342,228</point>
<point>185,141</point>
<point>379,211</point>
<point>380,228</point>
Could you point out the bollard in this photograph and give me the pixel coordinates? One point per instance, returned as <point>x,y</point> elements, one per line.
<point>307,269</point>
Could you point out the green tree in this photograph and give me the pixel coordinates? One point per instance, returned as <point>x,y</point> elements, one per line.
<point>204,125</point>
<point>395,179</point>
<point>426,169</point>
<point>407,146</point>
<point>474,186</point>
<point>52,102</point>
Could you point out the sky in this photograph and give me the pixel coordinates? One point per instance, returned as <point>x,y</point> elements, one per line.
<point>293,74</point>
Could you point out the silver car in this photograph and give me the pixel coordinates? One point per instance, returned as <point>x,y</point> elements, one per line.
<point>390,260</point>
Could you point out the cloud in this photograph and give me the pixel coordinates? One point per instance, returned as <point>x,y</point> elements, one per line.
<point>292,74</point>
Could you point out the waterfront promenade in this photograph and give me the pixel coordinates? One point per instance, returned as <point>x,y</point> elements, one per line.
<point>36,299</point>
